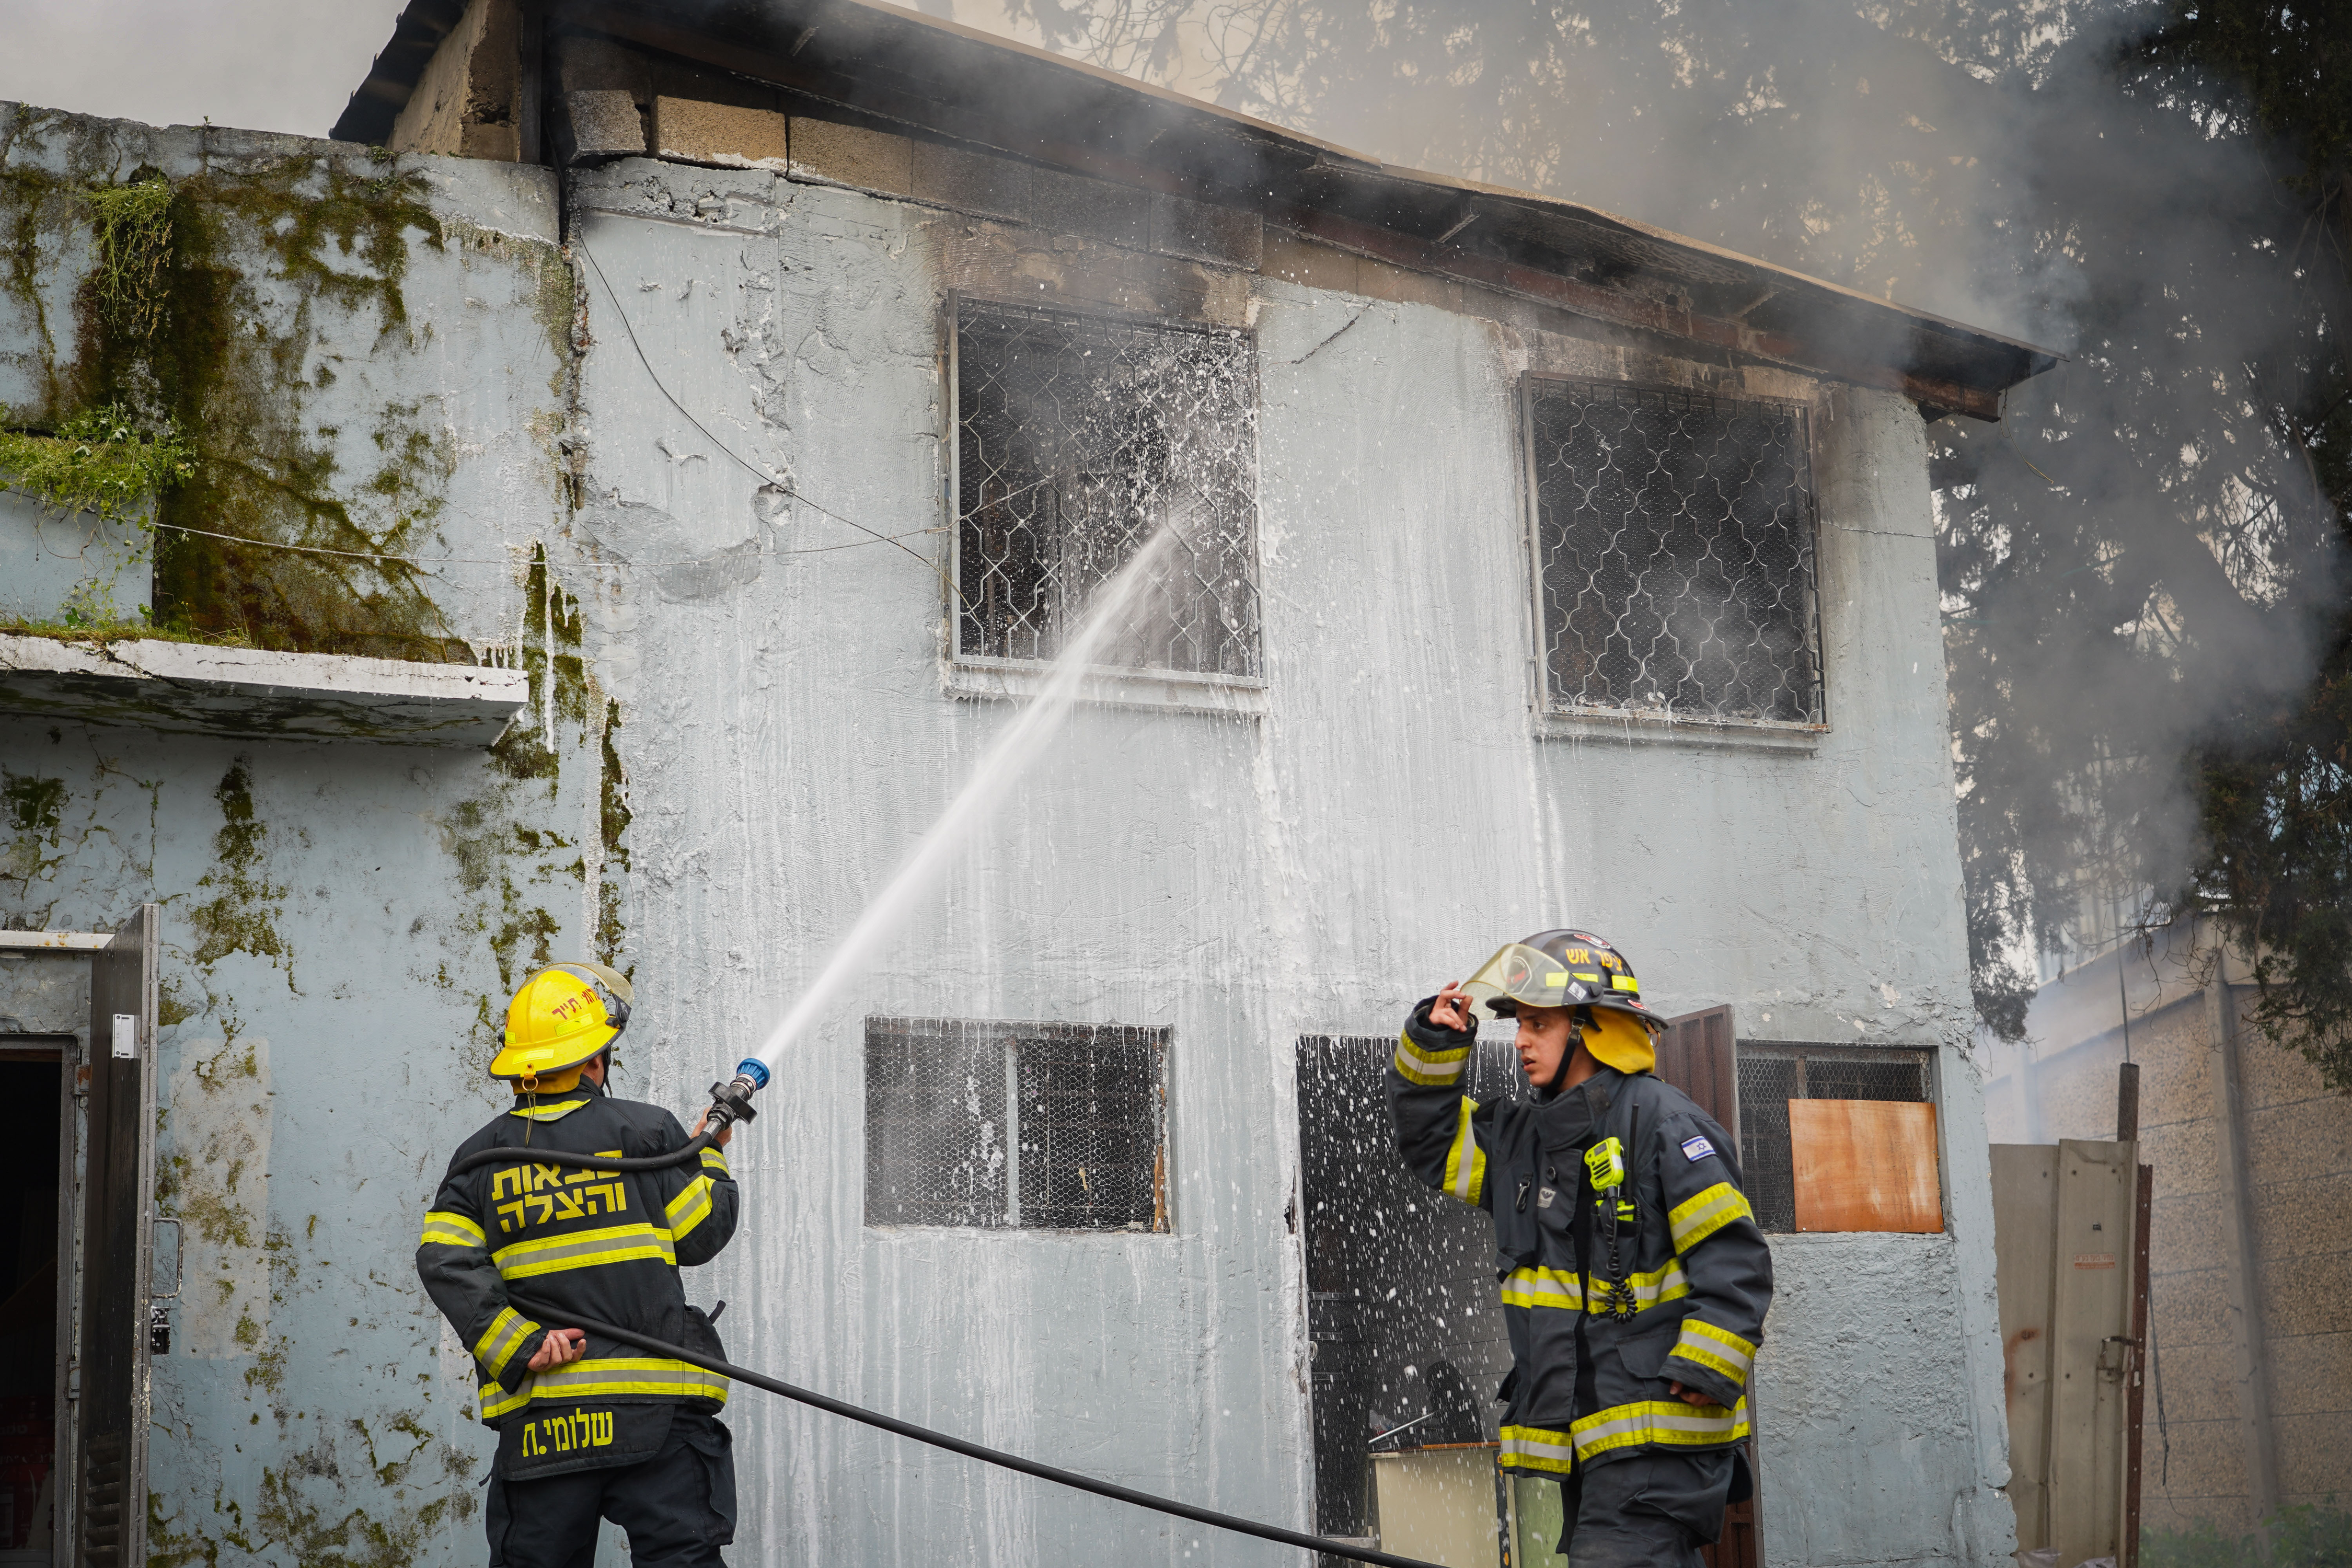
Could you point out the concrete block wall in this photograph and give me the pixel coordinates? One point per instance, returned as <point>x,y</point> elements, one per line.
<point>2298,1142</point>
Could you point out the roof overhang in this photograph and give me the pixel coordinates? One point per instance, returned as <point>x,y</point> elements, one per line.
<point>939,80</point>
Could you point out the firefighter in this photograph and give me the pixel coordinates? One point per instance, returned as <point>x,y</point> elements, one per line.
<point>587,1428</point>
<point>1635,1278</point>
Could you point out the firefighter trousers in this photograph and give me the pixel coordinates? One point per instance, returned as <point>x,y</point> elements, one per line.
<point>677,1508</point>
<point>1645,1511</point>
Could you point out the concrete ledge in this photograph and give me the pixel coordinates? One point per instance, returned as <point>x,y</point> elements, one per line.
<point>1107,686</point>
<point>190,689</point>
<point>1645,729</point>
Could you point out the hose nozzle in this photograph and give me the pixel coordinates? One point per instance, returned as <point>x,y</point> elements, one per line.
<point>731,1101</point>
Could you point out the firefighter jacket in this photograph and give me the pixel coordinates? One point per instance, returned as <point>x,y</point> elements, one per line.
<point>1693,1272</point>
<point>603,1244</point>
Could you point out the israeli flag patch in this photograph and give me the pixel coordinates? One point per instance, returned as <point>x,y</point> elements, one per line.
<point>1697,1149</point>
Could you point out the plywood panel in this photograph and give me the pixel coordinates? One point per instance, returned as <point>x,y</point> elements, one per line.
<point>1864,1165</point>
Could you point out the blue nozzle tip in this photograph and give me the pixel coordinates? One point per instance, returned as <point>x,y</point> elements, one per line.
<point>753,1069</point>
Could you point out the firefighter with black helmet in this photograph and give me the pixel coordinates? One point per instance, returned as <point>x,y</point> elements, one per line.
<point>588,1429</point>
<point>1634,1280</point>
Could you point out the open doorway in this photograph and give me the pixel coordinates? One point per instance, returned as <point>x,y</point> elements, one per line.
<point>35,1103</point>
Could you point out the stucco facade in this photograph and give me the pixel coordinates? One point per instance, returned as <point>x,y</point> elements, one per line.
<point>741,719</point>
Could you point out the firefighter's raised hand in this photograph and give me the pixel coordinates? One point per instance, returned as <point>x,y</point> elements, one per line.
<point>1451,1008</point>
<point>1688,1395</point>
<point>724,1133</point>
<point>561,1346</point>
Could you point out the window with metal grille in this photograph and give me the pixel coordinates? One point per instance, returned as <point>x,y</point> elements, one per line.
<point>1772,1074</point>
<point>993,1125</point>
<point>1077,437</point>
<point>1675,552</point>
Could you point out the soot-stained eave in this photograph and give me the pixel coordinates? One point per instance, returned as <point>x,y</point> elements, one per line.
<point>939,81</point>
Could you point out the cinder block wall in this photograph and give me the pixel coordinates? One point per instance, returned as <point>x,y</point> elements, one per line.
<point>2298,1167</point>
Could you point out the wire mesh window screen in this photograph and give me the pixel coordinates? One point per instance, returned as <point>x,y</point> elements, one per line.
<point>993,1125</point>
<point>1077,438</point>
<point>1675,545</point>
<point>1773,1075</point>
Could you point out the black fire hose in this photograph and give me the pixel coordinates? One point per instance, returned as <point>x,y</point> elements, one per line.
<point>1071,1478</point>
<point>507,1154</point>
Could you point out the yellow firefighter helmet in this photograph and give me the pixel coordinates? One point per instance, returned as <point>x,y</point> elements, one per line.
<point>560,1018</point>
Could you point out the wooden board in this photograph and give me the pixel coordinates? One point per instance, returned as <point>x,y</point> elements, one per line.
<point>1864,1165</point>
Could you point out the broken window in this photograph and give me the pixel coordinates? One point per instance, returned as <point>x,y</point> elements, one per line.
<point>1077,438</point>
<point>1773,1074</point>
<point>1675,552</point>
<point>993,1125</point>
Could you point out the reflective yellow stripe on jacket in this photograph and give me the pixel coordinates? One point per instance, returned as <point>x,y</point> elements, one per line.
<point>1694,1221</point>
<point>584,1249</point>
<point>1537,1449</point>
<point>606,1377</point>
<point>689,1208</point>
<point>442,1228</point>
<point>500,1342</point>
<point>714,1159</point>
<point>1650,1290</point>
<point>1669,1422</point>
<point>1465,1162</point>
<point>1717,1350</point>
<point>1543,1288</point>
<point>1428,1068</point>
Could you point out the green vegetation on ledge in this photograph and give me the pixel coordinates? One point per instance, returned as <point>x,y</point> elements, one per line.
<point>98,461</point>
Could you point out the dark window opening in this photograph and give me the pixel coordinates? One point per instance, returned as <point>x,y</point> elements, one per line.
<point>1077,438</point>
<point>1407,1333</point>
<point>1675,548</point>
<point>1772,1074</point>
<point>987,1125</point>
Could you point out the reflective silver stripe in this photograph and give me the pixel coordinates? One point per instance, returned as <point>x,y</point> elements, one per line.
<point>1670,1422</point>
<point>1427,1069</point>
<point>622,1376</point>
<point>1717,1350</point>
<point>618,1244</point>
<point>1543,1288</point>
<point>502,1339</point>
<point>689,1208</point>
<point>1697,1218</point>
<point>1535,1448</point>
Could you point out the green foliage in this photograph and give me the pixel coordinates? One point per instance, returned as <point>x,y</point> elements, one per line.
<point>98,461</point>
<point>2300,1537</point>
<point>2275,784</point>
<point>135,248</point>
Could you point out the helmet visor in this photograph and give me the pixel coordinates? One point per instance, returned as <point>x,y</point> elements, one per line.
<point>1530,977</point>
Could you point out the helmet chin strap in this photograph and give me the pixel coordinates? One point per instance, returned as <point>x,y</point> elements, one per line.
<point>1567,1057</point>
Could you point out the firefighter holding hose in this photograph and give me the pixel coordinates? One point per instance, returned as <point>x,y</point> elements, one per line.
<point>587,1429</point>
<point>1635,1278</point>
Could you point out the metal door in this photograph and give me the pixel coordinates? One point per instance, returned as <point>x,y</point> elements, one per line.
<point>119,1187</point>
<point>1696,1055</point>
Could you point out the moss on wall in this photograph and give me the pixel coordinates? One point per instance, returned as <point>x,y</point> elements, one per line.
<point>220,304</point>
<point>242,916</point>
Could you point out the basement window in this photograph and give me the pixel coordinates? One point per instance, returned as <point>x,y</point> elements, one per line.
<point>1077,437</point>
<point>1773,1074</point>
<point>1674,555</point>
<point>991,1126</point>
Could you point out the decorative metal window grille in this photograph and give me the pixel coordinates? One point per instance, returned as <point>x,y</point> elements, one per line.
<point>993,1125</point>
<point>1675,552</point>
<point>1773,1075</point>
<point>1077,438</point>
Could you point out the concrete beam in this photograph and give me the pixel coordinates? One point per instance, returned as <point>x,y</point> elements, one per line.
<point>254,694</point>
